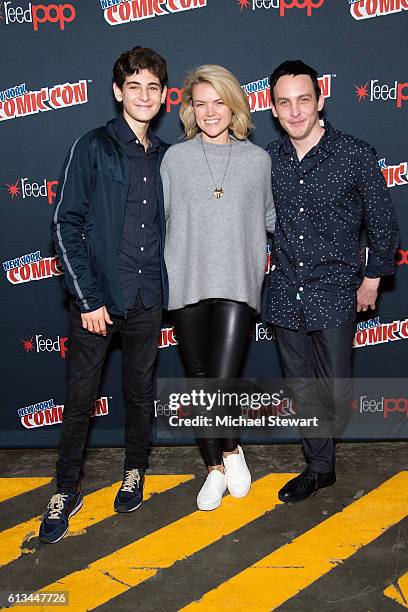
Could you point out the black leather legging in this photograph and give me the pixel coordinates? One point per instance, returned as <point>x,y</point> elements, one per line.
<point>212,336</point>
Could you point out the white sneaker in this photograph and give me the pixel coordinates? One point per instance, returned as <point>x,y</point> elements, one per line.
<point>211,492</point>
<point>237,473</point>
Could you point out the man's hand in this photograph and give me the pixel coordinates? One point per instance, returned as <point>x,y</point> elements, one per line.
<point>96,320</point>
<point>367,294</point>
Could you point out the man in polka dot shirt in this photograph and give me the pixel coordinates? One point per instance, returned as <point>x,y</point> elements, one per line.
<point>326,185</point>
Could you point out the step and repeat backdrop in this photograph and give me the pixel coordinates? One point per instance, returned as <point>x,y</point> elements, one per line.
<point>55,84</point>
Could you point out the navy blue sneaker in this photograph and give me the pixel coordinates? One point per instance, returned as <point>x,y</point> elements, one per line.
<point>130,495</point>
<point>62,506</point>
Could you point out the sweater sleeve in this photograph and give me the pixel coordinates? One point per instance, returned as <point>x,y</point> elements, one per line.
<point>270,212</point>
<point>165,177</point>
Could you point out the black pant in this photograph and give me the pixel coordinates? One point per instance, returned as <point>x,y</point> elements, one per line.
<point>325,355</point>
<point>212,336</point>
<point>86,356</point>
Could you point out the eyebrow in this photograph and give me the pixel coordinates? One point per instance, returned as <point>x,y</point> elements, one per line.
<point>305,95</point>
<point>217,100</point>
<point>139,83</point>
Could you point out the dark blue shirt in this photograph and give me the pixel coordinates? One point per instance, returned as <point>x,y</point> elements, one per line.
<point>321,203</point>
<point>139,259</point>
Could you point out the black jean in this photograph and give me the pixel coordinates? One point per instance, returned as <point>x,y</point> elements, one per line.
<point>325,355</point>
<point>212,336</point>
<point>140,332</point>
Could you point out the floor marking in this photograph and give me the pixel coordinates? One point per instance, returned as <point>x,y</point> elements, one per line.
<point>270,582</point>
<point>399,591</point>
<point>11,487</point>
<point>97,507</point>
<point>114,574</point>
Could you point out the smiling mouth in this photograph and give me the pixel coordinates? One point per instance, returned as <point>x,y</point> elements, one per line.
<point>211,121</point>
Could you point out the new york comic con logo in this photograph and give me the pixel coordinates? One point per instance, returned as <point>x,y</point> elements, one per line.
<point>37,14</point>
<point>282,5</point>
<point>259,95</point>
<point>373,91</point>
<point>31,267</point>
<point>118,12</point>
<point>373,332</point>
<point>47,413</point>
<point>395,176</point>
<point>16,101</point>
<point>366,9</point>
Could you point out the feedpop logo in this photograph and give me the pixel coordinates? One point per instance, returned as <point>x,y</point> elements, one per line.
<point>373,91</point>
<point>31,189</point>
<point>282,5</point>
<point>38,14</point>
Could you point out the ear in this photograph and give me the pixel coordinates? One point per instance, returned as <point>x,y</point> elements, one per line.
<point>320,103</point>
<point>273,109</point>
<point>117,92</point>
<point>164,94</point>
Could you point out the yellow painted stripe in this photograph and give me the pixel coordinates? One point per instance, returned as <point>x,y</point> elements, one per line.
<point>279,576</point>
<point>97,507</point>
<point>11,487</point>
<point>116,573</point>
<point>399,593</point>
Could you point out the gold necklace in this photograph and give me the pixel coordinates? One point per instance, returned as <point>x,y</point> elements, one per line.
<point>218,191</point>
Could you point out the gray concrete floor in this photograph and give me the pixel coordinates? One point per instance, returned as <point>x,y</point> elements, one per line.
<point>356,585</point>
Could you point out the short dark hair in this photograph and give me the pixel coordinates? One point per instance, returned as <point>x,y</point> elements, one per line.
<point>139,58</point>
<point>294,68</point>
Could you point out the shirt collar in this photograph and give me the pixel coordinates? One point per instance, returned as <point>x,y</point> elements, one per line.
<point>326,142</point>
<point>126,135</point>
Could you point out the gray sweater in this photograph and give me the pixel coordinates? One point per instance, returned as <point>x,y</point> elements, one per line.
<point>216,248</point>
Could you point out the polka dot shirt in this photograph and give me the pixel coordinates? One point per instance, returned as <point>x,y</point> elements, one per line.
<point>322,202</point>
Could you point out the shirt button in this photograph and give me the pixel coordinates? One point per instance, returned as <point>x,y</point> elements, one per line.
<point>142,225</point>
<point>140,271</point>
<point>273,267</point>
<point>144,201</point>
<point>301,210</point>
<point>300,288</point>
<point>142,248</point>
<point>301,264</point>
<point>145,179</point>
<point>301,181</point>
<point>137,142</point>
<point>301,237</point>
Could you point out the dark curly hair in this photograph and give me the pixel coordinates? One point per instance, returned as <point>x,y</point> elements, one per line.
<point>139,58</point>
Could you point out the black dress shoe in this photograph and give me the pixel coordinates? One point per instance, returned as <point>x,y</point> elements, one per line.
<point>306,484</point>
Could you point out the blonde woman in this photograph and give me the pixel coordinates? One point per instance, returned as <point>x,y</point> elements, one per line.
<point>219,207</point>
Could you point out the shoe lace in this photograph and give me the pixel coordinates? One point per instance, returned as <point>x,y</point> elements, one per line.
<point>56,505</point>
<point>132,477</point>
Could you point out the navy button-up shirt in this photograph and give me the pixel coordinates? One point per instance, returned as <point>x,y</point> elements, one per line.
<point>139,258</point>
<point>321,203</point>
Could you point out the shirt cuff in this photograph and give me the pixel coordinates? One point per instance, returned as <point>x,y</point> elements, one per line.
<point>376,270</point>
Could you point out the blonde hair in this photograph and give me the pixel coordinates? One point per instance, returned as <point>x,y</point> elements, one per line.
<point>229,90</point>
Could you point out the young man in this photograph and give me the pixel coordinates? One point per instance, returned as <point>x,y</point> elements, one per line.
<point>108,230</point>
<point>326,184</point>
